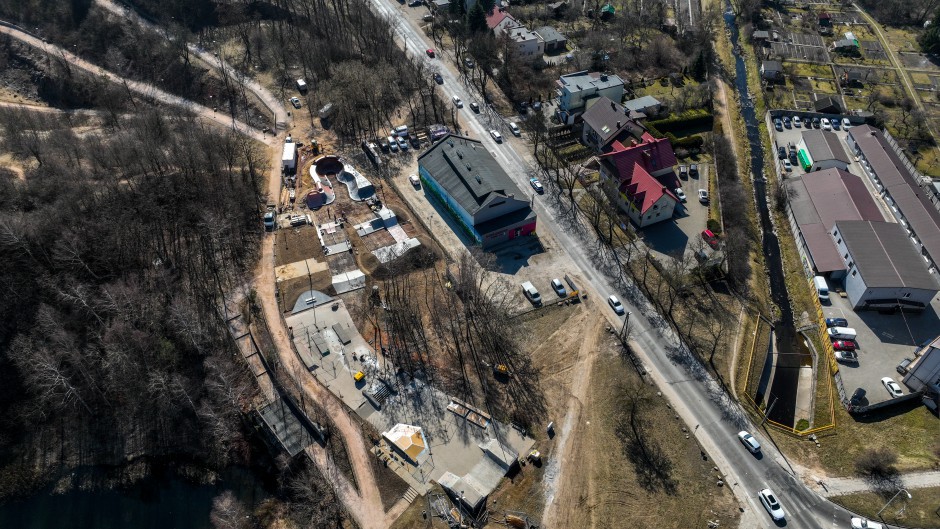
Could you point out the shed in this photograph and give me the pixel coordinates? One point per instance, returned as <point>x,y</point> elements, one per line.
<point>289,157</point>
<point>771,70</point>
<point>827,105</point>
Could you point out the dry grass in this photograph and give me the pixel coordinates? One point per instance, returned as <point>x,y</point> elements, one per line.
<point>921,511</point>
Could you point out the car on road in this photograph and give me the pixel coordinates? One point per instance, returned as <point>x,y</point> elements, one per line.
<point>847,356</point>
<point>778,124</point>
<point>615,304</point>
<point>837,322</point>
<point>438,79</point>
<point>703,196</point>
<point>468,62</point>
<point>415,181</point>
<point>430,53</point>
<point>844,345</point>
<point>769,501</point>
<point>295,101</point>
<point>797,122</point>
<point>474,106</point>
<point>893,387</point>
<point>457,102</point>
<point>749,442</point>
<point>496,135</point>
<point>269,220</point>
<point>782,153</point>
<point>536,185</point>
<point>787,166</point>
<point>680,194</point>
<point>865,523</point>
<point>559,288</point>
<point>824,122</point>
<point>515,130</point>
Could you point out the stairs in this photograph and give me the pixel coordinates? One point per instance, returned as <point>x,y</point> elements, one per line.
<point>410,495</point>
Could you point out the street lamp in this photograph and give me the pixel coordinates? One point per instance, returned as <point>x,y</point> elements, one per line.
<point>626,323</point>
<point>892,499</point>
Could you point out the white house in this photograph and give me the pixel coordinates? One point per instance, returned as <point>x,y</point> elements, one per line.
<point>576,89</point>
<point>883,269</point>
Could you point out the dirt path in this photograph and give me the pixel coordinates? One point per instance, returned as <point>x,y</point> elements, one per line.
<point>563,482</point>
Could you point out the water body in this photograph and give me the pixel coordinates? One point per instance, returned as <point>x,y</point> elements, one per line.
<point>160,502</point>
<point>783,387</point>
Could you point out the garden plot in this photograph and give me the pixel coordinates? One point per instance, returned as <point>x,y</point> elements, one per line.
<point>872,50</point>
<point>918,61</point>
<point>842,19</point>
<point>786,50</point>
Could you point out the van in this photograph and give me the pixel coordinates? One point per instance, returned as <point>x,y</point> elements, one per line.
<point>401,131</point>
<point>841,333</point>
<point>822,289</point>
<point>531,293</point>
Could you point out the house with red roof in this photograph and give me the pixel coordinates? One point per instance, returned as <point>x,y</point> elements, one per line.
<point>642,171</point>
<point>523,42</point>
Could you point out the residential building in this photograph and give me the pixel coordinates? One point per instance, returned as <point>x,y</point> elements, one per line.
<point>883,269</point>
<point>553,39</point>
<point>646,105</point>
<point>576,89</point>
<point>525,43</point>
<point>643,176</point>
<point>473,187</point>
<point>816,202</point>
<point>818,150</point>
<point>901,188</point>
<point>604,122</point>
<point>771,70</point>
<point>848,44</point>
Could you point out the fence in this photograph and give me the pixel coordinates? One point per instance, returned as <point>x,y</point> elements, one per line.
<point>907,163</point>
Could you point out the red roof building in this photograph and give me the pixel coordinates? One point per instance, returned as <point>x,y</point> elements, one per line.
<point>644,197</point>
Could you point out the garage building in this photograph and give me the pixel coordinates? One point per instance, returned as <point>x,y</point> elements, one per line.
<point>820,150</point>
<point>476,190</point>
<point>884,270</point>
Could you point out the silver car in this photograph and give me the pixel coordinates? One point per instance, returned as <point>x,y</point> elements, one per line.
<point>769,501</point>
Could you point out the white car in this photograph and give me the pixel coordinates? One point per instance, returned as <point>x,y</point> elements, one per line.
<point>615,304</point>
<point>769,500</point>
<point>515,130</point>
<point>864,523</point>
<point>295,101</point>
<point>893,387</point>
<point>402,144</point>
<point>797,122</point>
<point>496,135</point>
<point>680,194</point>
<point>749,442</point>
<point>846,124</point>
<point>559,288</point>
<point>703,196</point>
<point>415,181</point>
<point>824,122</point>
<point>457,102</point>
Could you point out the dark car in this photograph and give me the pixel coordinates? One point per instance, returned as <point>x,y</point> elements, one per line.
<point>693,170</point>
<point>782,153</point>
<point>474,106</point>
<point>438,79</point>
<point>523,107</point>
<point>786,122</point>
<point>778,124</point>
<point>815,123</point>
<point>837,322</point>
<point>537,106</point>
<point>858,397</point>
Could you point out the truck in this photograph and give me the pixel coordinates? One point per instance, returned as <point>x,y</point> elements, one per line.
<point>531,293</point>
<point>289,157</point>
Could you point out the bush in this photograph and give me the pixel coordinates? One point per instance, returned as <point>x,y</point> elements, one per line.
<point>877,463</point>
<point>714,226</point>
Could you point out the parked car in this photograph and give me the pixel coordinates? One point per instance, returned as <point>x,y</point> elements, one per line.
<point>693,170</point>
<point>858,396</point>
<point>615,304</point>
<point>786,122</point>
<point>415,3</point>
<point>559,288</point>
<point>438,79</point>
<point>782,153</point>
<point>769,500</point>
<point>824,122</point>
<point>846,124</point>
<point>383,145</point>
<point>269,221</point>
<point>496,135</point>
<point>474,106</point>
<point>430,53</point>
<point>683,171</point>
<point>415,181</point>
<point>837,322</point>
<point>402,144</point>
<point>903,366</point>
<point>536,106</point>
<point>680,194</point>
<point>392,143</point>
<point>427,17</point>
<point>835,123</point>
<point>749,442</point>
<point>815,123</point>
<point>844,345</point>
<point>457,102</point>
<point>536,185</point>
<point>787,166</point>
<point>847,356</point>
<point>703,196</point>
<point>710,238</point>
<point>295,101</point>
<point>797,122</point>
<point>515,130</point>
<point>894,389</point>
<point>865,523</point>
<point>778,124</point>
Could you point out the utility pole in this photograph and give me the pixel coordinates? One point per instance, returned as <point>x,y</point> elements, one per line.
<point>892,499</point>
<point>766,413</point>
<point>625,330</point>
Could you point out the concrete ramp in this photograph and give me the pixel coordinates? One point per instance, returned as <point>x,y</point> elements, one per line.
<point>389,253</point>
<point>349,281</point>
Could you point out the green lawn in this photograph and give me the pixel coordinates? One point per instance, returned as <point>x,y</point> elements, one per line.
<point>919,511</point>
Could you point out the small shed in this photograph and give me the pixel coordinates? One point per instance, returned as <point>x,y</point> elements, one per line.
<point>771,70</point>
<point>827,105</point>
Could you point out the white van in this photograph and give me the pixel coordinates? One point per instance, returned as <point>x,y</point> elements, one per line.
<point>531,293</point>
<point>401,131</point>
<point>822,289</point>
<point>841,333</point>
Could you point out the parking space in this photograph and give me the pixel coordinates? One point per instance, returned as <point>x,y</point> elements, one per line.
<point>883,341</point>
<point>681,235</point>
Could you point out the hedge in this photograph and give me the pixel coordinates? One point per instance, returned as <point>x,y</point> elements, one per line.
<point>690,118</point>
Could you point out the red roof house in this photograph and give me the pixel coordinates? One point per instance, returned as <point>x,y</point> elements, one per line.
<point>643,197</point>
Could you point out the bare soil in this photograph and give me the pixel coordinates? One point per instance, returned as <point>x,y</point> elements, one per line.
<point>297,244</point>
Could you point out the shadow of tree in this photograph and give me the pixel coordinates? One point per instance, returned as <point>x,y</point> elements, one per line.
<point>654,469</point>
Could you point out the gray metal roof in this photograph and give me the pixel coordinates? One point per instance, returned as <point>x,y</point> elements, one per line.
<point>912,200</point>
<point>771,66</point>
<point>468,172</point>
<point>884,256</point>
<point>641,103</point>
<point>818,200</point>
<point>550,34</point>
<point>607,118</point>
<point>578,81</point>
<point>824,146</point>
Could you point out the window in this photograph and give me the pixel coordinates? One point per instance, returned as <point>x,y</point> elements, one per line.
<point>854,273</point>
<point>907,295</point>
<point>846,256</point>
<point>839,241</point>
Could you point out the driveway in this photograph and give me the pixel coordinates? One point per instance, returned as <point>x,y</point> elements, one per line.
<point>681,235</point>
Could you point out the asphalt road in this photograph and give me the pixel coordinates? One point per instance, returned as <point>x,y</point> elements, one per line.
<point>713,416</point>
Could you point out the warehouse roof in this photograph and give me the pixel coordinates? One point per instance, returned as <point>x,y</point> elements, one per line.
<point>468,172</point>
<point>883,255</point>
<point>824,146</point>
<point>818,200</point>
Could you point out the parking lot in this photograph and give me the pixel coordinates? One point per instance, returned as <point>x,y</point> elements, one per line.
<point>682,234</point>
<point>883,341</point>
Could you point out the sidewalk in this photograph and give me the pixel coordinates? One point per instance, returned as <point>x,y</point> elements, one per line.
<point>842,486</point>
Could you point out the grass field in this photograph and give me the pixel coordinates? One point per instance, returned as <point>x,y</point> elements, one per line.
<point>920,511</point>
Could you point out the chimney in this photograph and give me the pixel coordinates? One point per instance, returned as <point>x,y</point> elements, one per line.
<point>618,125</point>
<point>604,76</point>
<point>613,106</point>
